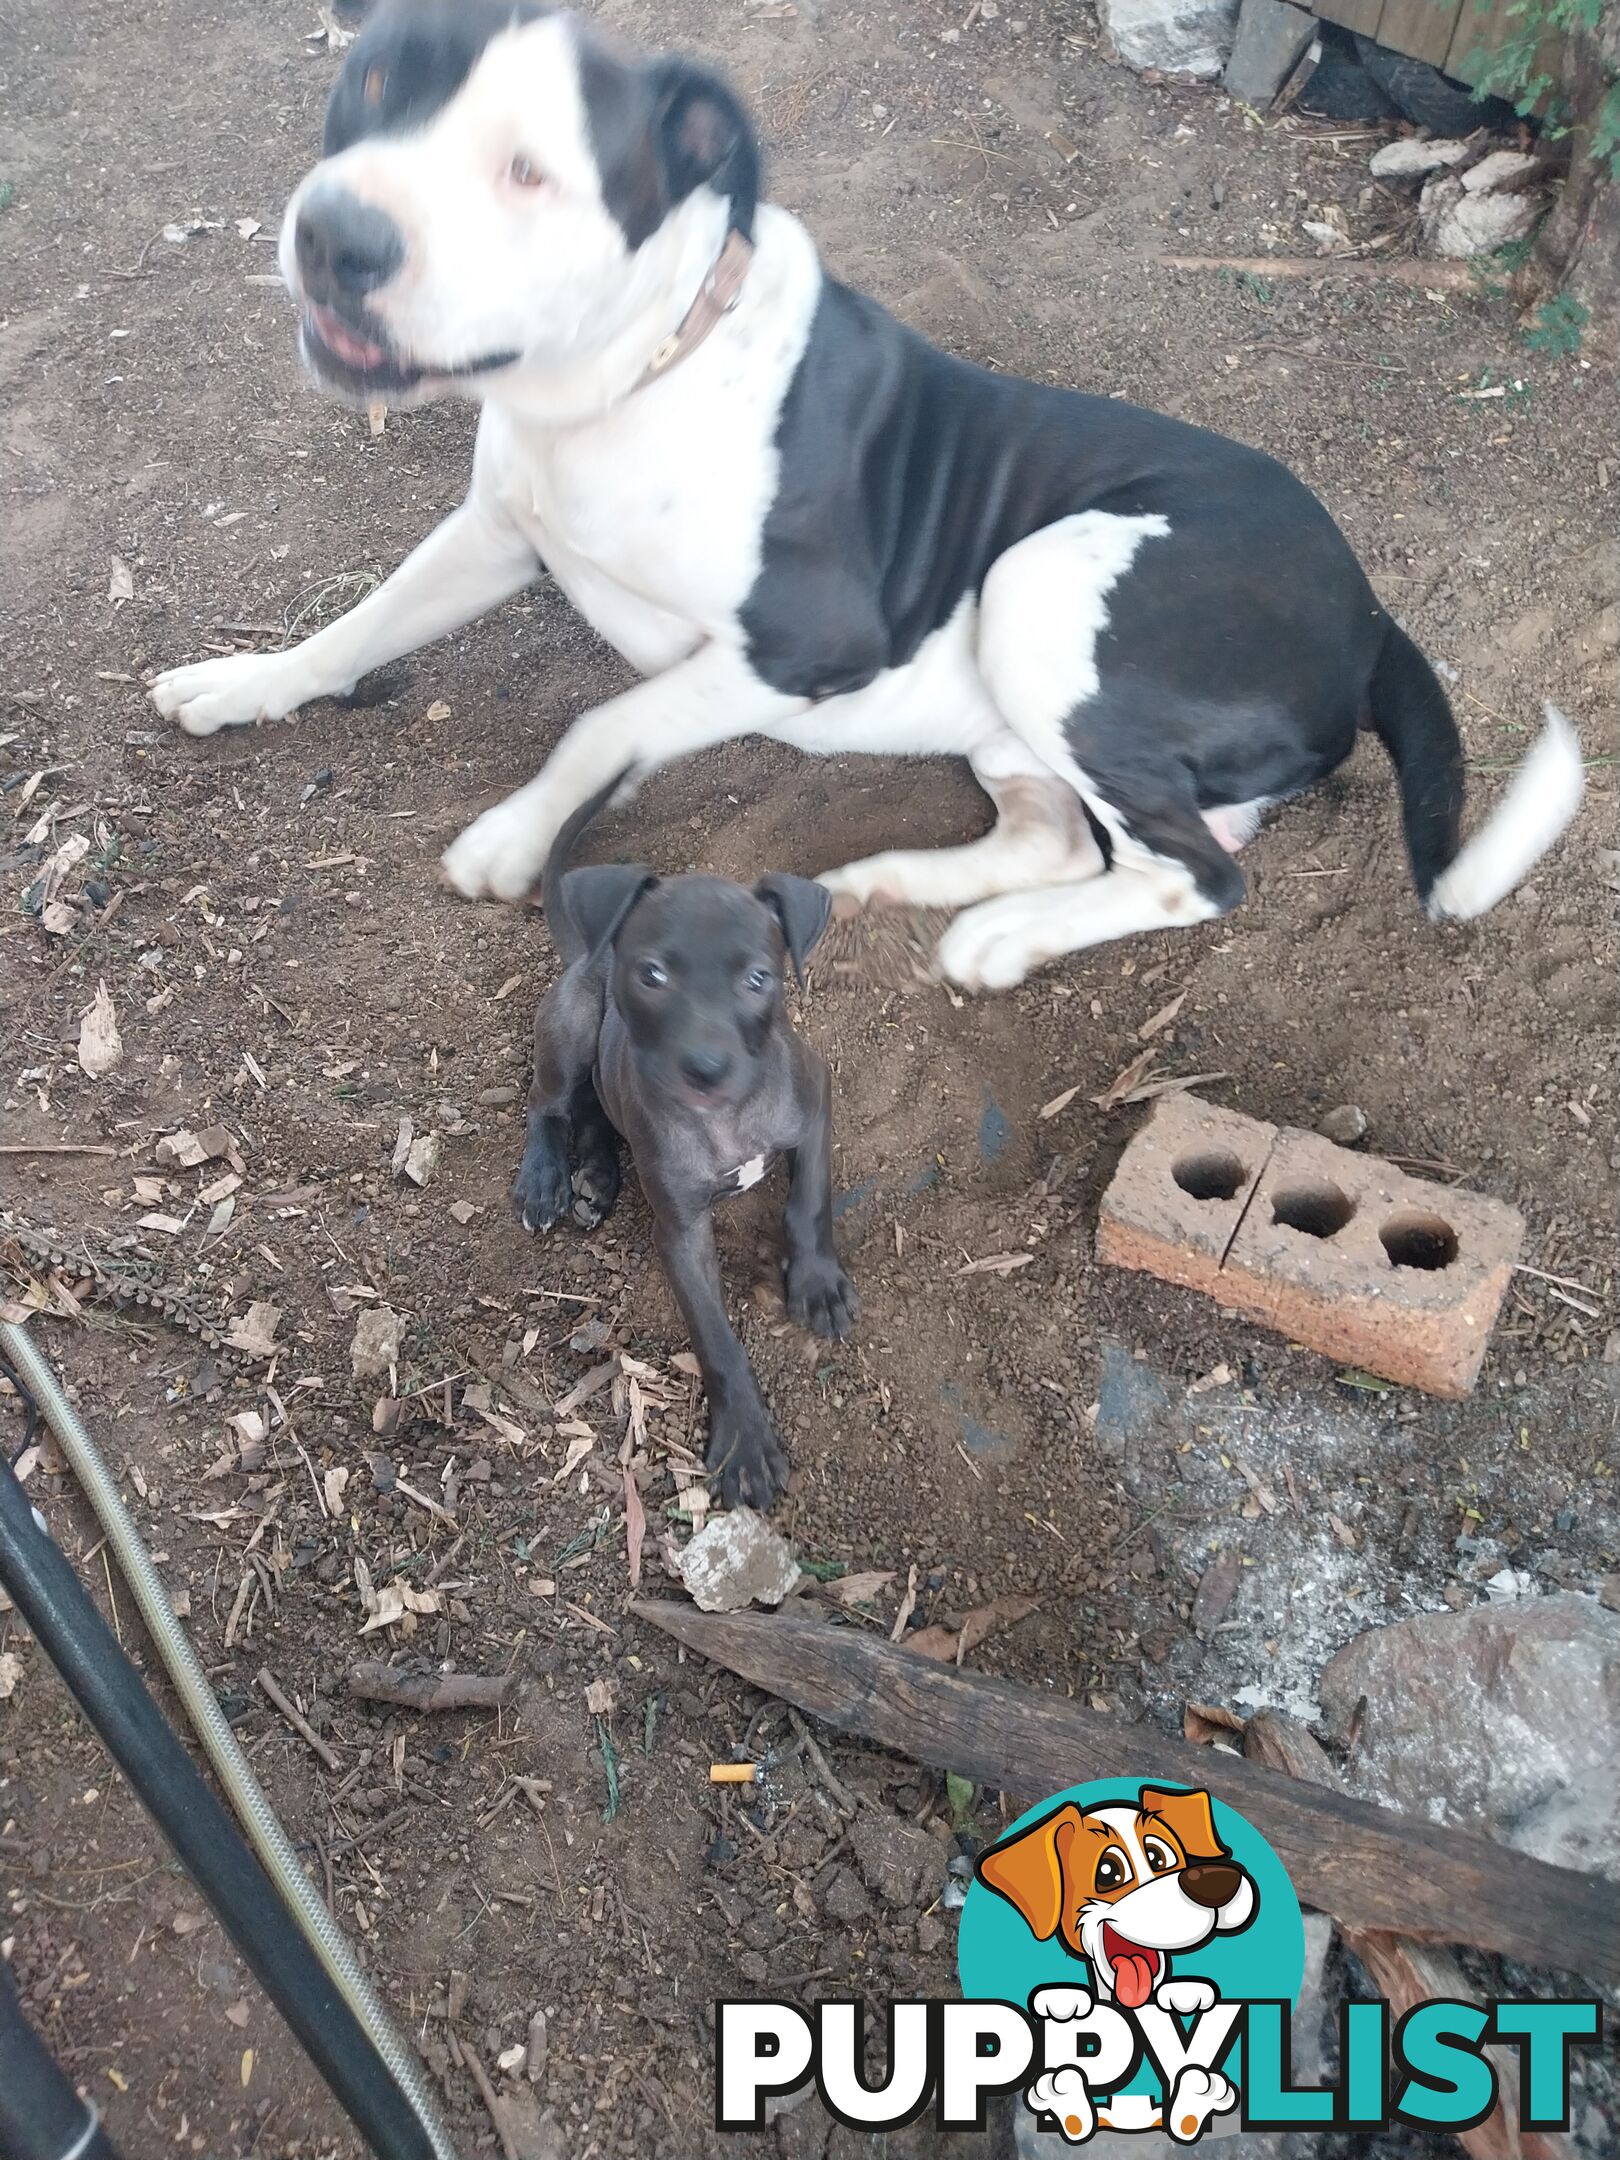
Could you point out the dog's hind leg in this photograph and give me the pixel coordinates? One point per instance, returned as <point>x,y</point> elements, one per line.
<point>1041,837</point>
<point>473,561</point>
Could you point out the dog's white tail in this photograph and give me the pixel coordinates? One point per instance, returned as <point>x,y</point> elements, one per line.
<point>1542,797</point>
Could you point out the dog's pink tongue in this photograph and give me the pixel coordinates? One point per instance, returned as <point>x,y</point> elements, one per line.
<point>1133,1977</point>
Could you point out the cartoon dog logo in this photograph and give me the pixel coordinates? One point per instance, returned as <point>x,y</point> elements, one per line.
<point>1127,1889</point>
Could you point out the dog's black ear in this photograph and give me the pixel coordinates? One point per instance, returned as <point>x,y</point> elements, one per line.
<point>705,138</point>
<point>802,907</point>
<point>599,897</point>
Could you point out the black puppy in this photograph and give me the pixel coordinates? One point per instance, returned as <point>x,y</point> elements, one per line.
<point>668,1028</point>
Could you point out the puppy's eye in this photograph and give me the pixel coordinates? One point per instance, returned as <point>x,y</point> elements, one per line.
<point>757,979</point>
<point>375,84</point>
<point>523,174</point>
<point>652,974</point>
<point>1159,1857</point>
<point>1113,1869</point>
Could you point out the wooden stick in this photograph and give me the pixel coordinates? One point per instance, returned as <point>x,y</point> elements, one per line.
<point>295,1718</point>
<point>55,1147</point>
<point>430,1691</point>
<point>1406,1972</point>
<point>1364,1866</point>
<point>1443,276</point>
<point>486,2093</point>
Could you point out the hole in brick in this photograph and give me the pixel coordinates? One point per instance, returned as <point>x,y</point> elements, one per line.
<point>1212,1175</point>
<point>1415,1240</point>
<point>1318,1210</point>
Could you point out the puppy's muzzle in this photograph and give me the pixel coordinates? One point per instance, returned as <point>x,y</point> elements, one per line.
<point>1212,1884</point>
<point>345,248</point>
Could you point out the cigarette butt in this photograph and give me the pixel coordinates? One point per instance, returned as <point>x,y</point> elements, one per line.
<point>733,1773</point>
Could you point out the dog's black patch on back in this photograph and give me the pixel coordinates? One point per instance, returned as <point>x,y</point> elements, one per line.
<point>660,129</point>
<point>409,62</point>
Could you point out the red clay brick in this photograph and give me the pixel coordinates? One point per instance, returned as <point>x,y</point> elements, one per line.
<point>1324,1245</point>
<point>1149,1219</point>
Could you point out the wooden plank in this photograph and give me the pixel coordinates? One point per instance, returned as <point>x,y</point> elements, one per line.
<point>1364,1866</point>
<point>1359,15</point>
<point>1422,28</point>
<point>1482,29</point>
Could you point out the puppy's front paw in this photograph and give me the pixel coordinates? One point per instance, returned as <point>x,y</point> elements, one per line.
<point>820,1296</point>
<point>543,1192</point>
<point>745,1456</point>
<point>229,692</point>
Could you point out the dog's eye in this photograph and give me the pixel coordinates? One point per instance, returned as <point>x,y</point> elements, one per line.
<point>1113,1869</point>
<point>375,84</point>
<point>757,979</point>
<point>1159,1857</point>
<point>524,175</point>
<point>652,974</point>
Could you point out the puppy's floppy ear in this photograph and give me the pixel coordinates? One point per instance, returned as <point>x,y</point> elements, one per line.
<point>1189,1816</point>
<point>598,898</point>
<point>705,138</point>
<point>802,907</point>
<point>1027,1870</point>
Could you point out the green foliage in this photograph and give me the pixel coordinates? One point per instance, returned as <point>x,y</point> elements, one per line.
<point>8,194</point>
<point>1513,71</point>
<point>1558,327</point>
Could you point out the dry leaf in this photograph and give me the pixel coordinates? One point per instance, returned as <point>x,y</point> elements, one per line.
<point>512,982</point>
<point>1162,1018</point>
<point>1119,1088</point>
<point>635,1526</point>
<point>938,1643</point>
<point>602,1698</point>
<point>987,1620</point>
<point>578,1449</point>
<point>1202,1721</point>
<point>332,1486</point>
<point>438,710</point>
<point>908,1605</point>
<point>101,1047</point>
<point>10,1673</point>
<point>1059,1102</point>
<point>255,1333</point>
<point>860,1589</point>
<point>999,1263</point>
<point>121,582</point>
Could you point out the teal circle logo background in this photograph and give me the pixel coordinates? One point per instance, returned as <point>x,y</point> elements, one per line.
<point>998,1958</point>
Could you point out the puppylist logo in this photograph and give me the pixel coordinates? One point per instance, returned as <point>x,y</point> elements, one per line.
<point>1130,1958</point>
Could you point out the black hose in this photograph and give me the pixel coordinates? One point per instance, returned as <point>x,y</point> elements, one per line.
<point>41,2116</point>
<point>115,1699</point>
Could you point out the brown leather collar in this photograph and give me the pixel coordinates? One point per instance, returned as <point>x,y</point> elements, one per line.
<point>717,296</point>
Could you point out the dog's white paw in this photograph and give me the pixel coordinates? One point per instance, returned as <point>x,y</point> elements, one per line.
<point>880,880</point>
<point>1061,2004</point>
<point>1197,2095</point>
<point>1066,2097</point>
<point>991,947</point>
<point>230,692</point>
<point>1186,1998</point>
<point>500,854</point>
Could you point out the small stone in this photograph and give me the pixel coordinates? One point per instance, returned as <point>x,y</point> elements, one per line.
<point>736,1560</point>
<point>1345,1125</point>
<point>539,2047</point>
<point>496,1098</point>
<point>930,1933</point>
<point>1184,37</point>
<point>753,1968</point>
<point>374,1350</point>
<point>1410,159</point>
<point>422,1158</point>
<point>462,1211</point>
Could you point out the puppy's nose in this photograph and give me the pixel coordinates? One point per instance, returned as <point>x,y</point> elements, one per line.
<point>1212,1883</point>
<point>705,1068</point>
<point>344,247</point>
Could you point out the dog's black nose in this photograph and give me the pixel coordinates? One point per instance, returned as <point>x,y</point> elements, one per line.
<point>705,1068</point>
<point>345,247</point>
<point>1211,1883</point>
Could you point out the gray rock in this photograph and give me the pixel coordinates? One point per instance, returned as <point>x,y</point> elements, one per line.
<point>1501,1717</point>
<point>375,1348</point>
<point>1185,37</point>
<point>1345,1125</point>
<point>1457,224</point>
<point>1410,159</point>
<point>895,1858</point>
<point>737,1559</point>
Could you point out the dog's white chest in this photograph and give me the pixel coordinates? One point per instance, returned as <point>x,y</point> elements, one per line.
<point>747,1174</point>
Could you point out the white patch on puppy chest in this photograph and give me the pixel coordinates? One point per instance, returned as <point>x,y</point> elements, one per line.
<point>750,1173</point>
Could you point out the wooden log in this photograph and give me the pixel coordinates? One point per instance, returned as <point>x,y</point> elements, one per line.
<point>1364,1866</point>
<point>376,1682</point>
<point>1407,1973</point>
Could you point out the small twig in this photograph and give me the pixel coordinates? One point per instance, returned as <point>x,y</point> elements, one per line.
<point>296,1719</point>
<point>140,269</point>
<point>486,2093</point>
<point>55,1147</point>
<point>376,1682</point>
<point>843,1800</point>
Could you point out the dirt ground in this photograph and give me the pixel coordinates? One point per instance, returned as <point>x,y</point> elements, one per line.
<point>265,913</point>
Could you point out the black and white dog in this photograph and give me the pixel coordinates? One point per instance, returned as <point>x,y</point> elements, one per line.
<point>796,518</point>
